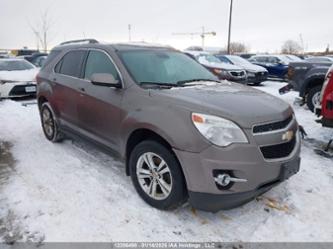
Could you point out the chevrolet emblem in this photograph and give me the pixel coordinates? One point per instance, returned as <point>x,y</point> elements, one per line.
<point>288,136</point>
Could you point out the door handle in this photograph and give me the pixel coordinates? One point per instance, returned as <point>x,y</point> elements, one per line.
<point>81,89</point>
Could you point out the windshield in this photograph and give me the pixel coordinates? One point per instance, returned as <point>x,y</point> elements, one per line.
<point>238,60</point>
<point>15,65</point>
<point>168,67</point>
<point>204,58</point>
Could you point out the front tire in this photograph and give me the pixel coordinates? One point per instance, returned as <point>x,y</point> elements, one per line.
<point>49,125</point>
<point>313,97</point>
<point>156,175</point>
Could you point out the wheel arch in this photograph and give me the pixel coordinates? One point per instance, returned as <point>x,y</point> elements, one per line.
<point>139,135</point>
<point>41,100</point>
<point>311,82</point>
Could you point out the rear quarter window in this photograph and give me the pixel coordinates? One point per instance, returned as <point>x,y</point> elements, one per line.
<point>71,63</point>
<point>53,54</point>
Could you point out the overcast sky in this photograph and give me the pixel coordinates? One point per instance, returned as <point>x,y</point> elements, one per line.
<point>263,25</point>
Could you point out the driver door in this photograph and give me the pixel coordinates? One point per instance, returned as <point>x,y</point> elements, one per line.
<point>100,106</point>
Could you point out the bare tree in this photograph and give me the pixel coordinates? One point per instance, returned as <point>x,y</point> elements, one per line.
<point>41,30</point>
<point>238,47</point>
<point>291,47</point>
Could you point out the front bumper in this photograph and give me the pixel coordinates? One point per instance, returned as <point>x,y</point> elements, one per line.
<point>215,202</point>
<point>257,77</point>
<point>236,79</point>
<point>17,89</point>
<point>243,161</point>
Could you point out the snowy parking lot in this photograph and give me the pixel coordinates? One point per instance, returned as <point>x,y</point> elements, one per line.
<point>71,191</point>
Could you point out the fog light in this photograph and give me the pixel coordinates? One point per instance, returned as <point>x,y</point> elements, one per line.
<point>225,179</point>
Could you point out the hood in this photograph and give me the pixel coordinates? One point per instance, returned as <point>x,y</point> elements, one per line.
<point>221,65</point>
<point>22,75</point>
<point>244,105</point>
<point>253,68</point>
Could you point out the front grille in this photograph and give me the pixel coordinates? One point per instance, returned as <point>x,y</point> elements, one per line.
<point>237,74</point>
<point>20,90</point>
<point>279,150</point>
<point>272,126</point>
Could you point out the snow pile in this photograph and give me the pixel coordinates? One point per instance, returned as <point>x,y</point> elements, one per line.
<point>73,192</point>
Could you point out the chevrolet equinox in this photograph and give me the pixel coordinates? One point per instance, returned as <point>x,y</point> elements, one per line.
<point>182,133</point>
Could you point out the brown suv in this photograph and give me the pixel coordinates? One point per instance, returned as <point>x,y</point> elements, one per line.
<point>182,133</point>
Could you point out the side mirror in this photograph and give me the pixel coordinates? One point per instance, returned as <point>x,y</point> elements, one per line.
<point>104,79</point>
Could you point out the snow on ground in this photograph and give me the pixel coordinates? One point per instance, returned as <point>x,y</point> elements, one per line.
<point>73,192</point>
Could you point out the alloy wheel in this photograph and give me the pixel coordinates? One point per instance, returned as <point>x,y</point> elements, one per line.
<point>154,176</point>
<point>48,122</point>
<point>316,99</point>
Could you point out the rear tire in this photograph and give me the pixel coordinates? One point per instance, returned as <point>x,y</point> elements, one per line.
<point>313,97</point>
<point>49,124</point>
<point>157,176</point>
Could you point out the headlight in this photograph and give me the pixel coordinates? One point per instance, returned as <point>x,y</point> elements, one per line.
<point>219,131</point>
<point>220,71</point>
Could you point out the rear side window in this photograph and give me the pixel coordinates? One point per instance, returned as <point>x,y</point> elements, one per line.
<point>273,60</point>
<point>50,57</point>
<point>99,62</point>
<point>71,64</point>
<point>263,59</point>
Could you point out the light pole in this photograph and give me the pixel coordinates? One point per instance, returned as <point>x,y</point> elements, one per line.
<point>230,21</point>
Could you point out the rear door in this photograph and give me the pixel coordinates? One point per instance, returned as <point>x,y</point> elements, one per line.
<point>67,79</point>
<point>100,106</point>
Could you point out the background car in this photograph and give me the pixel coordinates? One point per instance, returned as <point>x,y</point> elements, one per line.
<point>276,65</point>
<point>326,100</point>
<point>255,74</point>
<point>17,78</point>
<point>39,62</point>
<point>223,71</point>
<point>320,59</point>
<point>37,58</point>
<point>308,78</point>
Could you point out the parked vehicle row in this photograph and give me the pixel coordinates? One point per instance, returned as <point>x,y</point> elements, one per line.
<point>255,74</point>
<point>183,134</point>
<point>224,71</point>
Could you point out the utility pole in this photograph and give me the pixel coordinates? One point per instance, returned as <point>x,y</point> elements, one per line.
<point>37,39</point>
<point>203,38</point>
<point>302,43</point>
<point>202,34</point>
<point>230,21</point>
<point>129,32</point>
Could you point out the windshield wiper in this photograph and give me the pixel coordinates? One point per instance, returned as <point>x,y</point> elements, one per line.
<point>183,82</point>
<point>158,84</point>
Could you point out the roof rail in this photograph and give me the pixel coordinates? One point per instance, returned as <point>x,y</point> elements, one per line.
<point>89,41</point>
